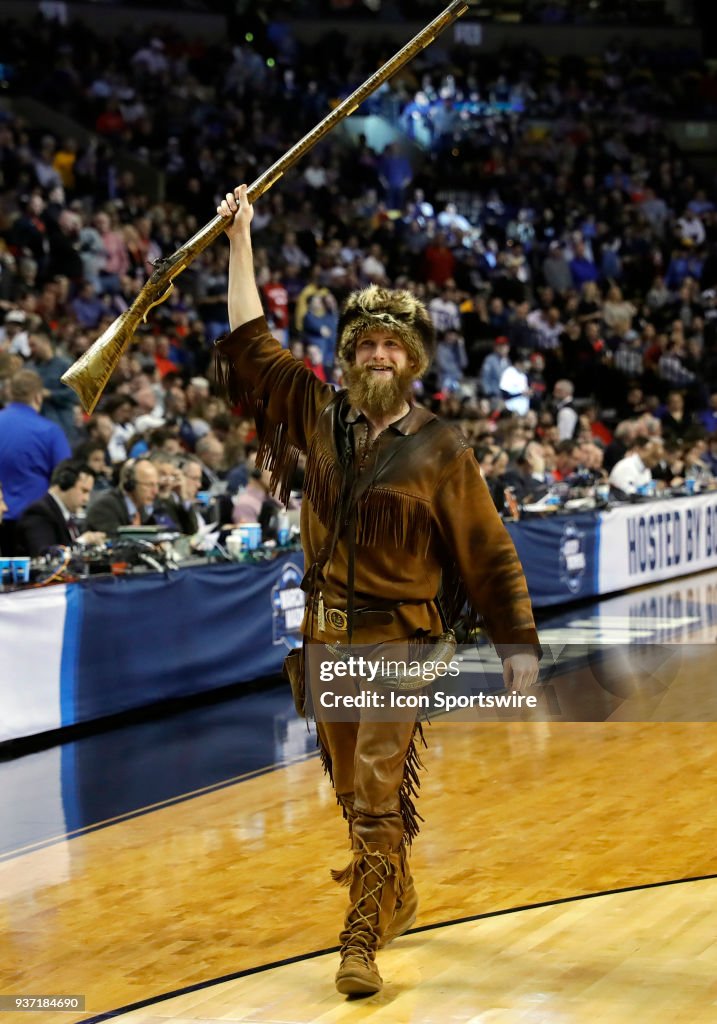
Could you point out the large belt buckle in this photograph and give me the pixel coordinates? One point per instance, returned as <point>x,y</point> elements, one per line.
<point>336,619</point>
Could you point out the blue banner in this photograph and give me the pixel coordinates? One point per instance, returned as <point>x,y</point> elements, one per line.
<point>161,636</point>
<point>559,556</point>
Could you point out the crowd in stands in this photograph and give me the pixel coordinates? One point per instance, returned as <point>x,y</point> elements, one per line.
<point>567,252</point>
<point>545,12</point>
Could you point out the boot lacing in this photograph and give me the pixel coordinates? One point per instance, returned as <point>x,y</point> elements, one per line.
<point>363,919</point>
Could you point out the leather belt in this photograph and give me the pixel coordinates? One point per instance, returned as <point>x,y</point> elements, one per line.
<point>337,618</point>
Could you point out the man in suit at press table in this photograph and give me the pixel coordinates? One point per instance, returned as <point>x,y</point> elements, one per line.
<point>132,503</point>
<point>49,521</point>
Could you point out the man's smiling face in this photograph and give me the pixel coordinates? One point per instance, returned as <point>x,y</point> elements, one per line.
<point>382,352</point>
<point>382,373</point>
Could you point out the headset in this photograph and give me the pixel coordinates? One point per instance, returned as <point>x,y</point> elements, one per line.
<point>66,474</point>
<point>128,474</point>
<point>127,478</point>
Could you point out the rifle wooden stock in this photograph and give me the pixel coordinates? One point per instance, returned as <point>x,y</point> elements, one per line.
<point>90,374</point>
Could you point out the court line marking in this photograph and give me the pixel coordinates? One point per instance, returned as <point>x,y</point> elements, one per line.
<point>139,812</point>
<point>262,968</point>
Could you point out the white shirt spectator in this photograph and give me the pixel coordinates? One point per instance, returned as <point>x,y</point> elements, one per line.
<point>372,269</point>
<point>445,314</point>
<point>16,339</point>
<point>691,229</point>
<point>514,382</point>
<point>117,445</point>
<point>151,58</point>
<point>629,474</point>
<point>316,177</point>
<point>548,333</point>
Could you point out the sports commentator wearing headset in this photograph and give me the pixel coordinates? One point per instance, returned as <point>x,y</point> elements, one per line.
<point>131,503</point>
<point>50,521</point>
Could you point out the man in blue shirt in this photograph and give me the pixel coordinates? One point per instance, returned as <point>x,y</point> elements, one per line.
<point>30,448</point>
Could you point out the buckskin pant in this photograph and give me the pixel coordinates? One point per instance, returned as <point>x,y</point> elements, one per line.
<point>372,760</point>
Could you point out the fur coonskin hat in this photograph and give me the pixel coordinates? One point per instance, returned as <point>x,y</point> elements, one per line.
<point>397,311</point>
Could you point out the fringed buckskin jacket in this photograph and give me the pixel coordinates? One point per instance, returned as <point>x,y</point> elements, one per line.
<point>425,522</point>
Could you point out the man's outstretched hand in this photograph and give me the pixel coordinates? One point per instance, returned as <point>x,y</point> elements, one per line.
<point>520,672</point>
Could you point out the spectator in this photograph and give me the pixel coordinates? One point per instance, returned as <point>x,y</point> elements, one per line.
<point>395,174</point>
<point>210,452</point>
<point>490,459</point>
<point>439,263</point>
<point>675,421</point>
<point>616,310</point>
<point>130,503</point>
<point>59,402</point>
<point>168,508</point>
<point>528,478</point>
<point>625,434</point>
<point>582,266</point>
<point>444,311</point>
<point>690,230</point>
<point>514,385</point>
<point>547,326</point>
<point>319,329</point>
<point>556,269</point>
<point>493,368</point>
<point>13,334</point>
<point>565,415</point>
<point>50,521</point>
<point>633,473</point>
<point>87,306</point>
<point>116,259</point>
<point>190,518</point>
<point>276,297</point>
<point>30,448</point>
<point>121,409</point>
<point>373,266</point>
<point>451,359</point>
<point>708,416</point>
<point>249,503</point>
<point>314,359</point>
<point>93,454</point>
<point>567,459</point>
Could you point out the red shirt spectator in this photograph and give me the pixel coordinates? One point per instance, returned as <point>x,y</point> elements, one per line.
<point>438,261</point>
<point>277,300</point>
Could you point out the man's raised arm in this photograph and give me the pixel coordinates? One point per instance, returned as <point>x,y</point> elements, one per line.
<point>243,301</point>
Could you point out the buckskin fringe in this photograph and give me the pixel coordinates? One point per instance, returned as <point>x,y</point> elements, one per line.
<point>345,875</point>
<point>322,484</point>
<point>229,384</point>
<point>410,786</point>
<point>325,758</point>
<point>389,517</point>
<point>408,791</point>
<point>276,452</point>
<point>278,455</point>
<point>459,612</point>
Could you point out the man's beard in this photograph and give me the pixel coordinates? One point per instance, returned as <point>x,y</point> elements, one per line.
<point>378,394</point>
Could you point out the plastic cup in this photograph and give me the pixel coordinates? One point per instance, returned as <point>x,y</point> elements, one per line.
<point>234,544</point>
<point>250,534</point>
<point>20,570</point>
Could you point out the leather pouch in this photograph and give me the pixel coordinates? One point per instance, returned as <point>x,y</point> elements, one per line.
<point>295,673</point>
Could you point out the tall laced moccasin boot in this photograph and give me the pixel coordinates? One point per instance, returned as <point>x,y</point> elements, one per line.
<point>373,888</point>
<point>404,915</point>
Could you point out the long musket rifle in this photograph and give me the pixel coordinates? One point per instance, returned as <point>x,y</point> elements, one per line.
<point>90,374</point>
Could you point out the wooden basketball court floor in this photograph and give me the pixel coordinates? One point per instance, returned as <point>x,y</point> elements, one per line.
<point>567,873</point>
